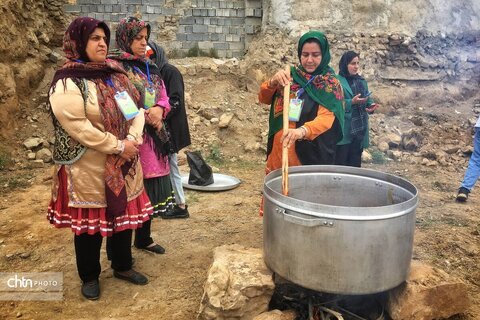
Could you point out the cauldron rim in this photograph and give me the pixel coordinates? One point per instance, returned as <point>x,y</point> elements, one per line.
<point>319,210</point>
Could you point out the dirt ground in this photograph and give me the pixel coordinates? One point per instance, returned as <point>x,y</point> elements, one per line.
<point>447,234</point>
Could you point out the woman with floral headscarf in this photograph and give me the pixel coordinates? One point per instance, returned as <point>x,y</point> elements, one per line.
<point>131,36</point>
<point>97,183</point>
<point>317,96</point>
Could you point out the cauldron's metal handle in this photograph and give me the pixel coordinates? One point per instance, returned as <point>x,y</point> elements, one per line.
<point>305,222</point>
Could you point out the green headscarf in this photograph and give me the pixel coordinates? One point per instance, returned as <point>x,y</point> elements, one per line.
<point>324,67</point>
<point>325,89</point>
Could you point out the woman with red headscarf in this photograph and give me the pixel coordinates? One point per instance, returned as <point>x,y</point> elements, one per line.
<point>97,183</point>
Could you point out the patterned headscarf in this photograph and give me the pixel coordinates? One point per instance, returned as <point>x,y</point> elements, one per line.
<point>74,45</point>
<point>76,37</point>
<point>127,29</point>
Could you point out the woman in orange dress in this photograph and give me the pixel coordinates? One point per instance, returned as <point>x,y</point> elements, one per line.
<point>317,127</point>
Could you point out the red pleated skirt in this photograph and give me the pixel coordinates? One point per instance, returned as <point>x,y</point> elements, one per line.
<point>93,220</point>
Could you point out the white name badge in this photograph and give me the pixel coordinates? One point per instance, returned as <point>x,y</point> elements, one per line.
<point>295,109</point>
<point>149,98</point>
<point>126,105</point>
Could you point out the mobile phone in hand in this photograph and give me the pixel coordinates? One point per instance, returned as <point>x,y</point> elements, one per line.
<point>368,94</point>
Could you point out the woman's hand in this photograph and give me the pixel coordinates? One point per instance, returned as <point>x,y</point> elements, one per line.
<point>154,117</point>
<point>280,79</point>
<point>358,100</point>
<point>372,108</point>
<point>292,135</point>
<point>129,152</point>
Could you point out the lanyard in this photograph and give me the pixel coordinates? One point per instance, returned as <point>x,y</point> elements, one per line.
<point>148,72</point>
<point>110,83</point>
<point>302,90</point>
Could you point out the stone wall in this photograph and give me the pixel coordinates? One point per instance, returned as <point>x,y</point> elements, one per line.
<point>405,17</point>
<point>426,56</point>
<point>427,39</point>
<point>398,40</point>
<point>224,27</point>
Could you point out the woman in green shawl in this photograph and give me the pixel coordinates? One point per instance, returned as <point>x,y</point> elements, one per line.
<point>317,96</point>
<point>358,105</point>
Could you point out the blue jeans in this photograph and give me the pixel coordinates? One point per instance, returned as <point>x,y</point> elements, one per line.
<point>176,179</point>
<point>473,171</point>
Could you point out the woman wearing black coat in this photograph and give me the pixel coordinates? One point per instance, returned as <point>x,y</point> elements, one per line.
<point>176,124</point>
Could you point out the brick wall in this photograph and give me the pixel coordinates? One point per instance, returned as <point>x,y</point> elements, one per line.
<point>224,25</point>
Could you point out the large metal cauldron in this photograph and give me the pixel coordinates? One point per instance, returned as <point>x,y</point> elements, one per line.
<point>341,230</point>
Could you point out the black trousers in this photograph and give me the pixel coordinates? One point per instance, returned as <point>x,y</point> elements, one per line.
<point>350,154</point>
<point>87,252</point>
<point>142,235</point>
<point>142,238</point>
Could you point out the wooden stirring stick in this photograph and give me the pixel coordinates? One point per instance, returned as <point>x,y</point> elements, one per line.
<point>286,104</point>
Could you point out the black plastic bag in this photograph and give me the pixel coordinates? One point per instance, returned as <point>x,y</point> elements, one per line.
<point>200,172</point>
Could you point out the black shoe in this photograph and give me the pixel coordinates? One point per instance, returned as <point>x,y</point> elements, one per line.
<point>132,276</point>
<point>91,289</point>
<point>176,213</point>
<point>462,195</point>
<point>155,249</point>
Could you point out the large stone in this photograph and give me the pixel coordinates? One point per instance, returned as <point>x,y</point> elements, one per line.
<point>209,112</point>
<point>32,143</point>
<point>451,149</point>
<point>44,154</point>
<point>411,140</point>
<point>239,285</point>
<point>366,157</point>
<point>37,164</point>
<point>429,293</point>
<point>277,315</point>
<point>225,120</point>
<point>393,140</point>
<point>383,146</point>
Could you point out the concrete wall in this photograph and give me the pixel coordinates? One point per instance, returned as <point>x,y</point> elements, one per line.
<point>224,25</point>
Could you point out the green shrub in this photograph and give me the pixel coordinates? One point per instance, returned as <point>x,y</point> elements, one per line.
<point>212,53</point>
<point>195,51</point>
<point>175,54</point>
<point>13,183</point>
<point>378,157</point>
<point>215,155</point>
